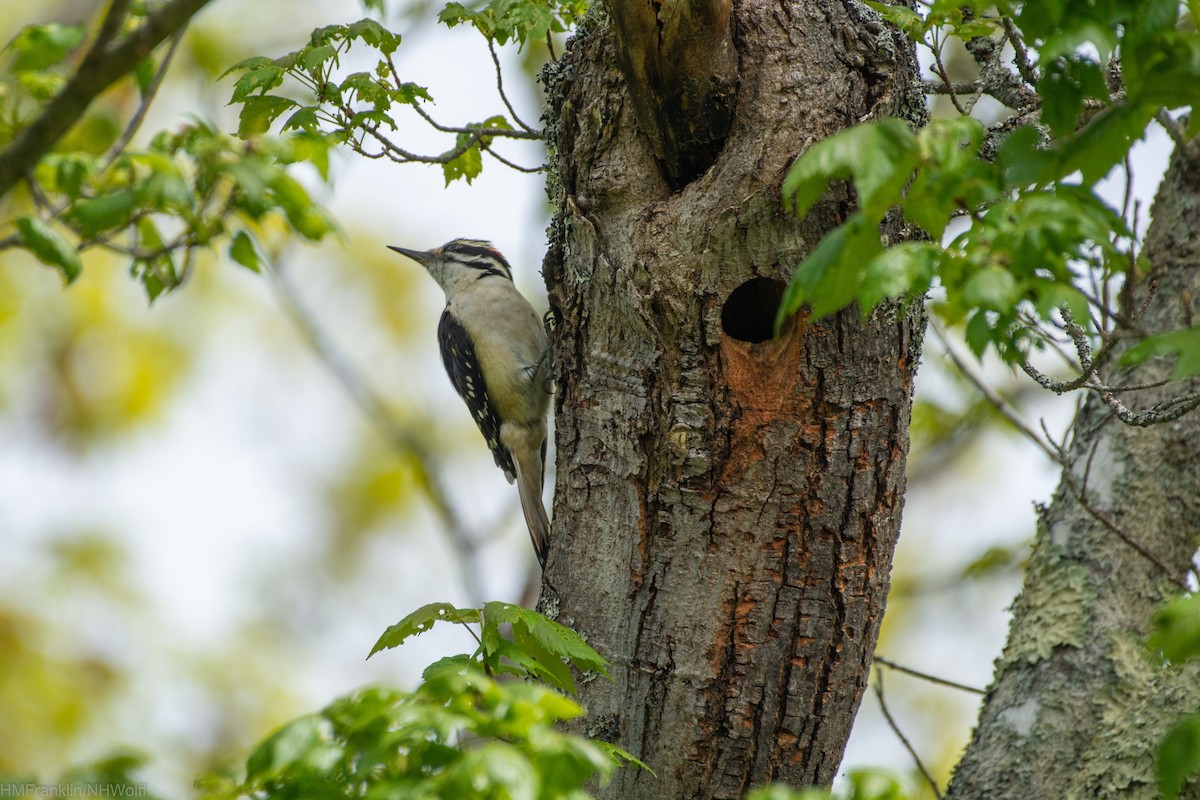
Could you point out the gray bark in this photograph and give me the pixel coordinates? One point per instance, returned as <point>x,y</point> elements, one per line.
<point>1078,706</point>
<point>726,503</point>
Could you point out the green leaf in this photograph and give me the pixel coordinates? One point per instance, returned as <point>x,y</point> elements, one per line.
<point>1023,160</point>
<point>979,333</point>
<point>1105,141</point>
<point>305,118</point>
<point>242,251</point>
<point>144,73</point>
<point>374,34</point>
<point>558,641</point>
<point>980,26</point>
<point>831,277</point>
<point>261,78</point>
<point>315,58</point>
<point>880,156</point>
<point>992,288</point>
<point>493,770</point>
<point>466,165</point>
<point>1065,85</point>
<point>40,47</point>
<point>50,247</point>
<point>1179,756</point>
<point>166,191</point>
<point>951,176</point>
<point>1175,629</point>
<point>259,112</point>
<point>904,18</point>
<point>367,88</point>
<point>904,269</point>
<point>1185,345</point>
<point>422,620</point>
<point>305,217</point>
<point>103,213</point>
<point>291,744</point>
<point>254,62</point>
<point>409,93</point>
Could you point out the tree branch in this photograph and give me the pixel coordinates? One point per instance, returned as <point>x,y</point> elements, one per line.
<point>887,715</point>
<point>104,64</point>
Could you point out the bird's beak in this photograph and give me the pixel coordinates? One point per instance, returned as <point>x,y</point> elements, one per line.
<point>420,256</point>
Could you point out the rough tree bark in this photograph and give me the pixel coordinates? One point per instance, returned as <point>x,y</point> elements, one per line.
<point>1078,706</point>
<point>726,503</point>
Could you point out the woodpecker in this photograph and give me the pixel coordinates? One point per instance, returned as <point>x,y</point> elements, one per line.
<point>496,353</point>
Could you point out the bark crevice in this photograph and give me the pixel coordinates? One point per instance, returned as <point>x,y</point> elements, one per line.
<point>723,529</point>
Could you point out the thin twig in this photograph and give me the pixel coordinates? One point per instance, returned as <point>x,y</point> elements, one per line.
<point>925,676</point>
<point>999,403</point>
<point>139,115</point>
<point>951,88</point>
<point>887,715</point>
<point>1123,535</point>
<point>500,89</point>
<point>505,133</point>
<point>1020,54</point>
<point>487,148</point>
<point>940,71</point>
<point>1172,127</point>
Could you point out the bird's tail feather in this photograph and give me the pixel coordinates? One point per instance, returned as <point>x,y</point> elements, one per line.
<point>529,487</point>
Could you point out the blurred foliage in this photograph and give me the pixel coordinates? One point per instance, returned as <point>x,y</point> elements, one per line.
<point>159,205</point>
<point>1175,636</point>
<point>860,784</point>
<point>50,693</point>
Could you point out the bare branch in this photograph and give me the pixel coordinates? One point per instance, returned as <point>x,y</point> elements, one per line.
<point>148,95</point>
<point>487,148</point>
<point>887,715</point>
<point>500,89</point>
<point>1176,131</point>
<point>925,676</point>
<point>1021,55</point>
<point>951,87</point>
<point>999,403</point>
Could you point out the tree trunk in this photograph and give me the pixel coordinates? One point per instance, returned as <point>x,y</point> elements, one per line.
<point>727,503</point>
<point>1078,706</point>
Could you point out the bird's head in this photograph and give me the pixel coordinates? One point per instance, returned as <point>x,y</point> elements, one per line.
<point>460,261</point>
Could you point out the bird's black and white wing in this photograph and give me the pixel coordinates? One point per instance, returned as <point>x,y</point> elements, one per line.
<point>458,355</point>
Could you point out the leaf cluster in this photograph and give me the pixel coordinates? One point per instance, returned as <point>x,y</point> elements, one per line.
<point>1175,636</point>
<point>536,647</point>
<point>188,190</point>
<point>517,21</point>
<point>1030,229</point>
<point>34,72</point>
<point>462,733</point>
<point>358,109</point>
<point>1023,250</point>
